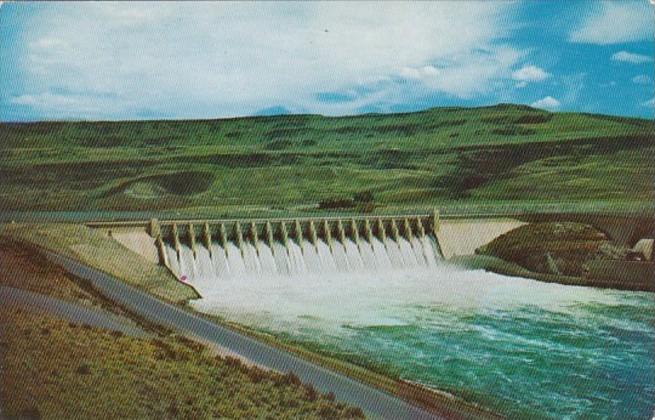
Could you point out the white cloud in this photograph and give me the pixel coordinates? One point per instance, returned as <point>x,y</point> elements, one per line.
<point>612,22</point>
<point>547,103</point>
<point>650,103</point>
<point>642,79</point>
<point>631,58</point>
<point>530,74</point>
<point>478,72</point>
<point>468,73</point>
<point>208,59</point>
<point>425,72</point>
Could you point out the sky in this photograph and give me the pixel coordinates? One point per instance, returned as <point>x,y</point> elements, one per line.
<point>117,61</point>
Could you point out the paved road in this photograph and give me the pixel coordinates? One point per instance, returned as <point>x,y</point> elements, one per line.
<point>374,402</point>
<point>70,311</point>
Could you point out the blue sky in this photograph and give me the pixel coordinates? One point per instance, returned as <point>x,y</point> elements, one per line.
<point>108,61</point>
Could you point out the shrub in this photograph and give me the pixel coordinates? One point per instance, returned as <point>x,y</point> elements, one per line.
<point>191,344</point>
<point>327,411</point>
<point>366,207</point>
<point>164,351</point>
<point>83,369</point>
<point>354,413</point>
<point>290,379</point>
<point>363,197</point>
<point>279,144</point>
<point>310,392</point>
<point>336,203</point>
<point>172,409</point>
<point>257,375</point>
<point>32,413</point>
<point>232,361</point>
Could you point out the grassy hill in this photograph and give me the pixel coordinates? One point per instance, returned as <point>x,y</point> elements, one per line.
<point>491,156</point>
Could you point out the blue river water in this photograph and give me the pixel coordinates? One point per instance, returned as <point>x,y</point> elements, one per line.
<point>522,348</point>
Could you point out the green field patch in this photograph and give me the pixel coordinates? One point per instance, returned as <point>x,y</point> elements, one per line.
<point>478,166</point>
<point>73,175</point>
<point>527,118</point>
<point>286,132</point>
<point>177,183</point>
<point>146,190</point>
<point>513,130</point>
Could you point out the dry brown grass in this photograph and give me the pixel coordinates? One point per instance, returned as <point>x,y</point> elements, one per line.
<point>56,369</point>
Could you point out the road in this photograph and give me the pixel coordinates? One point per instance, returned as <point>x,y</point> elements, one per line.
<point>375,403</point>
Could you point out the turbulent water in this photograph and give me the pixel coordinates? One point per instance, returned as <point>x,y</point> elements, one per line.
<point>523,348</point>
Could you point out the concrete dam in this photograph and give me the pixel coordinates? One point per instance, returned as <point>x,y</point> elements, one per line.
<point>201,251</point>
<point>197,252</point>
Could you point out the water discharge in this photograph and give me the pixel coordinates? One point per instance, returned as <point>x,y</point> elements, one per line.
<point>260,260</point>
<point>524,348</point>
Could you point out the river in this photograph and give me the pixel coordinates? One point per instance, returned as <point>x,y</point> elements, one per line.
<point>520,347</point>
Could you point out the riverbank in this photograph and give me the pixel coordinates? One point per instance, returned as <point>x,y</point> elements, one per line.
<point>571,253</point>
<point>645,272</point>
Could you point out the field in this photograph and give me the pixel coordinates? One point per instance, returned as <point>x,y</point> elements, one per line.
<point>488,158</point>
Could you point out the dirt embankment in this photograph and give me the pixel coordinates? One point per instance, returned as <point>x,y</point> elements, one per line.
<point>561,248</point>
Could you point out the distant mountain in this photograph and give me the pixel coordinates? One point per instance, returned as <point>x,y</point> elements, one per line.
<point>274,110</point>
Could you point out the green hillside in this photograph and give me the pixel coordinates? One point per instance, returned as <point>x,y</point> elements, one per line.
<point>490,156</point>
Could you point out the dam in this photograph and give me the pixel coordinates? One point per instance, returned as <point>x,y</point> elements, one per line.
<point>201,251</point>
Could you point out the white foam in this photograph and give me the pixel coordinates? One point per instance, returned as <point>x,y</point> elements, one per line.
<point>355,285</point>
